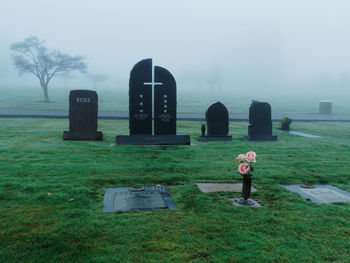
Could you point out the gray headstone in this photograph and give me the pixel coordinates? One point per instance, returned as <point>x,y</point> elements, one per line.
<point>322,194</point>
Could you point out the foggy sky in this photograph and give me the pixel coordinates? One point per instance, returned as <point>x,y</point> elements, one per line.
<point>227,44</point>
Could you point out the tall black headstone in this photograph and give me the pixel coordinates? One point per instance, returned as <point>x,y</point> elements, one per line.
<point>140,98</point>
<point>217,120</point>
<point>164,102</point>
<point>83,108</point>
<point>140,107</point>
<point>260,124</point>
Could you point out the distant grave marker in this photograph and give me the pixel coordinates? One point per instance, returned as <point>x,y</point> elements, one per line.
<point>217,120</point>
<point>325,107</point>
<point>307,135</point>
<point>132,198</point>
<point>322,194</point>
<point>140,107</point>
<point>260,123</point>
<point>83,108</point>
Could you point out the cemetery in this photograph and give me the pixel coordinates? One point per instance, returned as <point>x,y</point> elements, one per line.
<point>190,200</point>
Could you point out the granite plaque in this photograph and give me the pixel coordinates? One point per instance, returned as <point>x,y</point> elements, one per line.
<point>322,194</point>
<point>126,199</point>
<point>83,110</point>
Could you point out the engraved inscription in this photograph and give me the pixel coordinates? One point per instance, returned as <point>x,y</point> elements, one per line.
<point>326,195</point>
<point>83,100</point>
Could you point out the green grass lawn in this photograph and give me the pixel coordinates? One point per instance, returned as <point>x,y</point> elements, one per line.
<point>69,226</point>
<point>188,101</point>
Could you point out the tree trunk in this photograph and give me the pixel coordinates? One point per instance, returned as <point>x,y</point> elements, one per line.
<point>46,94</point>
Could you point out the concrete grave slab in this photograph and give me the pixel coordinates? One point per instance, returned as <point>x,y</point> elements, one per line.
<point>307,135</point>
<point>321,194</point>
<point>221,187</point>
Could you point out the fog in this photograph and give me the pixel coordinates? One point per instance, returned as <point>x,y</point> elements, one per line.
<point>226,45</point>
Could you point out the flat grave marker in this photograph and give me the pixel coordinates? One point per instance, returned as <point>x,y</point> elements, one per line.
<point>321,194</point>
<point>132,198</point>
<point>224,187</point>
<point>307,135</point>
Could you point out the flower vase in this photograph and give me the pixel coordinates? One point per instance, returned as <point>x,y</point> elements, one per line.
<point>246,188</point>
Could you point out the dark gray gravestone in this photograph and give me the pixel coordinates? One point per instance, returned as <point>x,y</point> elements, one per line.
<point>217,123</point>
<point>146,198</point>
<point>140,109</point>
<point>164,102</point>
<point>83,110</point>
<point>140,98</point>
<point>322,194</point>
<point>260,124</point>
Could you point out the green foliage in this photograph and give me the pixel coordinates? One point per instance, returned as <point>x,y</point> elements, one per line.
<point>68,225</point>
<point>285,123</point>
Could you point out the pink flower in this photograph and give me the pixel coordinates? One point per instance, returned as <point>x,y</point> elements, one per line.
<point>240,158</point>
<point>250,157</point>
<point>243,168</point>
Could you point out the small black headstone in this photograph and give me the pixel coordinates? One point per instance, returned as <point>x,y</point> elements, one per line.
<point>137,198</point>
<point>260,124</point>
<point>217,123</point>
<point>140,108</point>
<point>83,110</point>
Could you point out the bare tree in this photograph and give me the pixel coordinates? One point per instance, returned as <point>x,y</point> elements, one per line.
<point>31,56</point>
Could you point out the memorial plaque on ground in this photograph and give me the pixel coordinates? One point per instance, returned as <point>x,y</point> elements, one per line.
<point>83,110</point>
<point>322,194</point>
<point>141,87</point>
<point>260,124</point>
<point>143,198</point>
<point>217,120</point>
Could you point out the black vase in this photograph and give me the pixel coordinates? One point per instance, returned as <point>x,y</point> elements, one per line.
<point>247,185</point>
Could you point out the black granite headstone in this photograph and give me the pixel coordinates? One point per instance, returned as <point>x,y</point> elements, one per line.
<point>164,102</point>
<point>140,98</point>
<point>83,110</point>
<point>260,124</point>
<point>217,123</point>
<point>140,108</point>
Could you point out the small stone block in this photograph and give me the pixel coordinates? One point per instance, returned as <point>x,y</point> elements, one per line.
<point>255,203</point>
<point>221,187</point>
<point>321,194</point>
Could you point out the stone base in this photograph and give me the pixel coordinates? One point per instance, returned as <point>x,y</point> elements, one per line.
<point>72,136</point>
<point>215,138</point>
<point>254,203</point>
<point>260,138</point>
<point>153,139</point>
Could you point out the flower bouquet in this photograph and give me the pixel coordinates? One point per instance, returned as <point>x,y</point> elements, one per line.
<point>245,168</point>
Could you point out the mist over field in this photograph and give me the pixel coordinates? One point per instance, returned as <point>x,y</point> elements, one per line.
<point>286,50</point>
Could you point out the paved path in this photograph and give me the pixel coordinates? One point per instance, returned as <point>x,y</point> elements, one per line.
<point>180,116</point>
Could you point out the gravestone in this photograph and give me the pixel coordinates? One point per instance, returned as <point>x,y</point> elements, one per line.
<point>217,120</point>
<point>83,108</point>
<point>140,107</point>
<point>322,194</point>
<point>260,123</point>
<point>325,107</point>
<point>136,198</point>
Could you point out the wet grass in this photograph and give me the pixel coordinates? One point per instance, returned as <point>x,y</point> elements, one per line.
<point>51,194</point>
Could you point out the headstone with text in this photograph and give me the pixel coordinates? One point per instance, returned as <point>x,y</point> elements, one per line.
<point>83,110</point>
<point>260,123</point>
<point>141,87</point>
